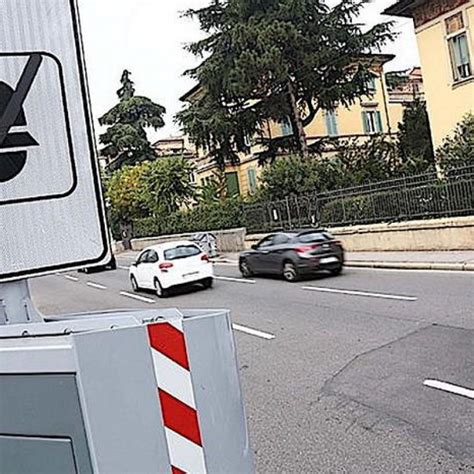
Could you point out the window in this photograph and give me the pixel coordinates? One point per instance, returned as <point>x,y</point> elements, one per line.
<point>458,45</point>
<point>182,251</point>
<point>267,242</point>
<point>143,257</point>
<point>281,239</point>
<point>286,127</point>
<point>331,123</point>
<point>460,58</point>
<point>247,141</point>
<point>152,257</point>
<point>372,122</point>
<point>232,180</point>
<point>312,237</point>
<point>371,85</point>
<point>252,179</point>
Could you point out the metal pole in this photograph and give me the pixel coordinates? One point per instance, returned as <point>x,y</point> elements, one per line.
<point>16,305</point>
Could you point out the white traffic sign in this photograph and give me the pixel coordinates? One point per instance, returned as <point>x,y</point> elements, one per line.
<point>52,215</point>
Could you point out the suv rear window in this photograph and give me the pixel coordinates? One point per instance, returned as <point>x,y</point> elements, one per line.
<point>312,237</point>
<point>182,251</point>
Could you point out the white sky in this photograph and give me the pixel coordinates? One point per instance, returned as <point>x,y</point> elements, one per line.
<point>147,37</point>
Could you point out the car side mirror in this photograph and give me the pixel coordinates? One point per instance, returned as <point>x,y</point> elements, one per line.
<point>135,264</point>
<point>255,247</point>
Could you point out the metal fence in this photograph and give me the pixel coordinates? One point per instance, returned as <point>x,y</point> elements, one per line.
<point>416,197</point>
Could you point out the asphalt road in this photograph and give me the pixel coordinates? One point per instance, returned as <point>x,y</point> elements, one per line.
<point>334,377</point>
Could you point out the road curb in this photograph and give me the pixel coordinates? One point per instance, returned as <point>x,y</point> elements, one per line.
<point>455,267</point>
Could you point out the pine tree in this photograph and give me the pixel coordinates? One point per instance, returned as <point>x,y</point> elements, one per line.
<point>273,60</point>
<point>125,140</point>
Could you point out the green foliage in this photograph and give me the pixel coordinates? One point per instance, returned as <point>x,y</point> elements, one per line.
<point>260,54</point>
<point>157,188</point>
<point>125,140</point>
<point>167,185</point>
<point>414,140</point>
<point>226,214</point>
<point>458,149</point>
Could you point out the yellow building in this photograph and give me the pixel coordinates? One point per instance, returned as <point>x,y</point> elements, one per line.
<point>445,35</point>
<point>376,114</point>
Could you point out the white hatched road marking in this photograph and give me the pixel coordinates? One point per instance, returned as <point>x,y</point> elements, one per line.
<point>361,293</point>
<point>97,286</point>
<point>137,297</point>
<point>253,332</point>
<point>235,280</point>
<point>447,387</point>
<point>71,278</point>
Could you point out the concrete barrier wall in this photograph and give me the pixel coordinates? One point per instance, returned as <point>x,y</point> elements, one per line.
<point>227,240</point>
<point>424,235</point>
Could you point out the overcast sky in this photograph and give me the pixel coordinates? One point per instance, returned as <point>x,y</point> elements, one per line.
<point>147,37</point>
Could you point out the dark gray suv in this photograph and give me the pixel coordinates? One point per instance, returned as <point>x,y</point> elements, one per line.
<point>293,255</point>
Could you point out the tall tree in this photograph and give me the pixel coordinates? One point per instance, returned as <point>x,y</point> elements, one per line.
<point>125,140</point>
<point>274,60</point>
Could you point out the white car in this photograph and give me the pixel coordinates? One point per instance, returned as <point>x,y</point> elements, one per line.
<point>165,266</point>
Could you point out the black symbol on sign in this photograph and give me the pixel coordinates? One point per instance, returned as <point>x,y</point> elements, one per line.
<point>12,162</point>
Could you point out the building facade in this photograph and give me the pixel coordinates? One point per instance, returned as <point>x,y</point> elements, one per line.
<point>445,35</point>
<point>377,114</point>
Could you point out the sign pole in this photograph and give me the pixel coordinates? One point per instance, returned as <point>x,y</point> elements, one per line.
<point>16,305</point>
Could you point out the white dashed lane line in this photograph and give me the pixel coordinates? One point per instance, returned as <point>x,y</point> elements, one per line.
<point>71,278</point>
<point>360,293</point>
<point>97,286</point>
<point>450,388</point>
<point>253,332</point>
<point>235,280</point>
<point>137,297</point>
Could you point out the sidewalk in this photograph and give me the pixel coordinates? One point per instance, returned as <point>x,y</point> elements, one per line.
<point>454,261</point>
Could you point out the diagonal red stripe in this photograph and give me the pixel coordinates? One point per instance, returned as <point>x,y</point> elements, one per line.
<point>175,470</point>
<point>170,342</point>
<point>180,418</point>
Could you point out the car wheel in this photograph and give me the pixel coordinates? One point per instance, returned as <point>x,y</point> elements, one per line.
<point>245,269</point>
<point>208,283</point>
<point>290,272</point>
<point>133,282</point>
<point>113,264</point>
<point>159,290</point>
<point>337,271</point>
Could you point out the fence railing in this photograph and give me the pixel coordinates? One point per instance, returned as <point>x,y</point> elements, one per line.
<point>415,197</point>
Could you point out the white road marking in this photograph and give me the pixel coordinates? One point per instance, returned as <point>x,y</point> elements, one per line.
<point>236,280</point>
<point>361,293</point>
<point>447,387</point>
<point>137,297</point>
<point>411,270</point>
<point>96,285</point>
<point>225,264</point>
<point>123,267</point>
<point>253,332</point>
<point>71,278</point>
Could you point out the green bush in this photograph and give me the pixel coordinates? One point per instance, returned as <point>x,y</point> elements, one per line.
<point>211,216</point>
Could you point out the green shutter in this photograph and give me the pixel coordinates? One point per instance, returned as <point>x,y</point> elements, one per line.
<point>233,188</point>
<point>379,122</point>
<point>365,122</point>
<point>252,178</point>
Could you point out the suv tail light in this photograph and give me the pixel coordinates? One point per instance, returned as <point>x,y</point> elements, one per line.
<point>306,248</point>
<point>205,258</point>
<point>165,266</point>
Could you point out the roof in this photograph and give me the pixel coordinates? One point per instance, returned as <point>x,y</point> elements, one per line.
<point>403,8</point>
<point>190,93</point>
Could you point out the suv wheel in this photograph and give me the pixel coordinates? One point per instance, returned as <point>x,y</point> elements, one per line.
<point>290,272</point>
<point>245,269</point>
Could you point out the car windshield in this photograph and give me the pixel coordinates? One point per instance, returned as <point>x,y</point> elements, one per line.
<point>182,251</point>
<point>311,237</point>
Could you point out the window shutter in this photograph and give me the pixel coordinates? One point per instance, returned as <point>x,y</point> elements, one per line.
<point>379,122</point>
<point>252,178</point>
<point>365,122</point>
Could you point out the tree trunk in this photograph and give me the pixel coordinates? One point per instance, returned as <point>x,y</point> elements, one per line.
<point>298,122</point>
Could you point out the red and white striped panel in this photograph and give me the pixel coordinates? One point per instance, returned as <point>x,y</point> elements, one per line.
<point>175,389</point>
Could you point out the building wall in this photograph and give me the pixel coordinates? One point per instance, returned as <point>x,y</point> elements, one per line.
<point>447,101</point>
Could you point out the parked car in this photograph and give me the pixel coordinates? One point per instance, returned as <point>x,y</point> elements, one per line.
<point>110,265</point>
<point>294,255</point>
<point>165,266</point>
